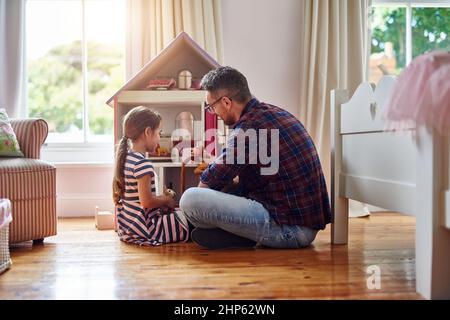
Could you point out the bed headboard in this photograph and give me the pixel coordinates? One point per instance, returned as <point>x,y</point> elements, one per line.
<point>363,112</point>
<point>369,164</point>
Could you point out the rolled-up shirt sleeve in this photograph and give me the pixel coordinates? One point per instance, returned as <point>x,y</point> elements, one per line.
<point>225,168</point>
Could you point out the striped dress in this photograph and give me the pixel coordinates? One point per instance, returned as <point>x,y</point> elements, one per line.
<point>149,227</point>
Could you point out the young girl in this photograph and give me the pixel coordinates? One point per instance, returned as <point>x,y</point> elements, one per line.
<point>141,214</point>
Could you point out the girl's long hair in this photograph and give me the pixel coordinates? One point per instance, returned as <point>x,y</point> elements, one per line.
<point>134,124</point>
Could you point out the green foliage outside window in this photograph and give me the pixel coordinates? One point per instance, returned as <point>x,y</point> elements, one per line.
<point>55,86</point>
<point>430,30</point>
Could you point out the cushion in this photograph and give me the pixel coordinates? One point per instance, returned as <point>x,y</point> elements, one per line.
<point>26,179</point>
<point>9,146</point>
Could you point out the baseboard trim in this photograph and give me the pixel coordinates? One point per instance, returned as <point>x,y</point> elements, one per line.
<point>76,205</point>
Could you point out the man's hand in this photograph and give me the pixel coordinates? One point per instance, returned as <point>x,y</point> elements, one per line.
<point>200,168</point>
<point>233,187</point>
<point>202,185</point>
<point>198,171</point>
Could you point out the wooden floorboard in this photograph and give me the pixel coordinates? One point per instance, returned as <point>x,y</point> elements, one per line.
<point>83,263</point>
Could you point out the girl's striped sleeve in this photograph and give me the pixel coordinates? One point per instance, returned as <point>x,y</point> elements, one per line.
<point>142,168</point>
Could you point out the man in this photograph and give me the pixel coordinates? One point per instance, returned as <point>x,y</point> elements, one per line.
<point>281,204</point>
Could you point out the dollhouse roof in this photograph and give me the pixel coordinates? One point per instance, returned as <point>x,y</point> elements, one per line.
<point>182,53</point>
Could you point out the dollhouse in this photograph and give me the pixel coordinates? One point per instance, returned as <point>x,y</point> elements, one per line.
<point>169,84</point>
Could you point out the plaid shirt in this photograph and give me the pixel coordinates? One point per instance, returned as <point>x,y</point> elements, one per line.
<point>296,194</point>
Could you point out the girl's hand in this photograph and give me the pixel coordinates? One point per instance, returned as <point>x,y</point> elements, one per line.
<point>170,202</point>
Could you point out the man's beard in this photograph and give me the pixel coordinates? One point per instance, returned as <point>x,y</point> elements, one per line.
<point>228,120</point>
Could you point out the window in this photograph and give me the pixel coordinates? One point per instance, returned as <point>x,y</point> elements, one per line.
<point>75,62</point>
<point>403,30</point>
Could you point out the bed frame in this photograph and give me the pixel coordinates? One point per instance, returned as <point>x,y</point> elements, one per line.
<point>406,172</point>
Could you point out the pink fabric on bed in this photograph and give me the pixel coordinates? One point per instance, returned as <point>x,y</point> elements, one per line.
<point>422,94</point>
<point>439,92</point>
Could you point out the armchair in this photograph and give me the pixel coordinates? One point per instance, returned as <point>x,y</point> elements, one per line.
<point>30,184</point>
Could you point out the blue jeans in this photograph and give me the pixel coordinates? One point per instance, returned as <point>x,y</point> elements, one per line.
<point>207,208</point>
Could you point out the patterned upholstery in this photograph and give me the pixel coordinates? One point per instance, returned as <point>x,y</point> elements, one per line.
<point>30,184</point>
<point>27,128</point>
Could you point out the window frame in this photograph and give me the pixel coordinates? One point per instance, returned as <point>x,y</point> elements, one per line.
<point>85,151</point>
<point>409,4</point>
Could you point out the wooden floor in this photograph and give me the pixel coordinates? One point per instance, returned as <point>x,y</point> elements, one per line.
<point>83,263</point>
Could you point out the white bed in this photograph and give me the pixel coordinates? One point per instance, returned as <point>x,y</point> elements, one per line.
<point>407,172</point>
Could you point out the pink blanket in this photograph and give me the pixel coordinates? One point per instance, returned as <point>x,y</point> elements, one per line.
<point>422,94</point>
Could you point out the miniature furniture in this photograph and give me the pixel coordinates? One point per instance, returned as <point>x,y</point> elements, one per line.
<point>180,56</point>
<point>406,172</point>
<point>30,184</point>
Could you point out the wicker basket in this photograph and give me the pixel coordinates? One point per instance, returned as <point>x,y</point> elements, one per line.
<point>5,220</point>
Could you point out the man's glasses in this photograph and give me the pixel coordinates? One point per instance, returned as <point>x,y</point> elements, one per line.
<point>210,106</point>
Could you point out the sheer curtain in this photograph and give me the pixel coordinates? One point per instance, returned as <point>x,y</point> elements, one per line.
<point>12,53</point>
<point>152,24</point>
<point>335,52</point>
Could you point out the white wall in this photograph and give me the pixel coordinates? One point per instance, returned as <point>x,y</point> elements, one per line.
<point>81,187</point>
<point>262,39</point>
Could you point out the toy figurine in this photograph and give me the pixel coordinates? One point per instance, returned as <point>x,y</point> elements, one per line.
<point>170,193</point>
